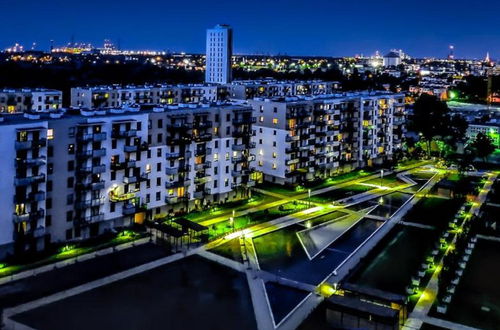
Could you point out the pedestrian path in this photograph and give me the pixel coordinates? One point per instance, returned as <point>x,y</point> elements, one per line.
<point>424,304</point>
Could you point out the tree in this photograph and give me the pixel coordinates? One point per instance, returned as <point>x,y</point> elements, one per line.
<point>432,120</point>
<point>483,146</point>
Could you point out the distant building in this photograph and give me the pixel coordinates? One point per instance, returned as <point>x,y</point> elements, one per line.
<point>30,100</point>
<point>219,54</point>
<point>489,129</point>
<point>393,58</point>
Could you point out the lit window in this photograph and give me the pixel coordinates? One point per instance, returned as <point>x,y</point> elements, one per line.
<point>261,119</point>
<point>275,121</point>
<point>50,133</point>
<point>261,163</point>
<point>227,155</point>
<point>274,166</point>
<point>216,157</point>
<point>274,155</point>
<point>261,152</point>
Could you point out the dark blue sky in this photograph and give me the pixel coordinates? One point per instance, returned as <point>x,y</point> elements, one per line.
<point>296,27</point>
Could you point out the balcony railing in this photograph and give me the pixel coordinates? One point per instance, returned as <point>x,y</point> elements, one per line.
<point>29,216</point>
<point>31,162</point>
<point>124,134</point>
<point>30,144</point>
<point>29,180</point>
<point>92,137</point>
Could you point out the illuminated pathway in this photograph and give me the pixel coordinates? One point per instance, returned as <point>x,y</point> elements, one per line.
<point>424,304</point>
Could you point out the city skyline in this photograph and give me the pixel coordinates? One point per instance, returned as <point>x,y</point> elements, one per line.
<point>331,31</point>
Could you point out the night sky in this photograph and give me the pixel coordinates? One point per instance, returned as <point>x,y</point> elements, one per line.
<point>294,27</point>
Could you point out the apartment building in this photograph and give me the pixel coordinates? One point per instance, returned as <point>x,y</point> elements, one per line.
<point>78,174</point>
<point>268,88</point>
<point>301,139</point>
<point>114,96</point>
<point>30,100</point>
<point>219,52</point>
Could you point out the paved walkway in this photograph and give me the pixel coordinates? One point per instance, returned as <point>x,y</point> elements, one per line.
<point>353,259</point>
<point>417,225</point>
<point>285,199</point>
<point>424,304</point>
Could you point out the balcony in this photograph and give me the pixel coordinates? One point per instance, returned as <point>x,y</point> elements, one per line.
<point>29,216</point>
<point>202,179</point>
<point>203,151</point>
<point>132,148</point>
<point>292,161</point>
<point>30,162</point>
<point>244,121</point>
<point>240,159</point>
<point>239,147</point>
<point>202,125</point>
<point>93,153</point>
<point>29,180</point>
<point>172,155</point>
<point>176,199</point>
<point>91,185</point>
<point>292,138</point>
<point>202,137</point>
<point>179,140</point>
<point>129,209</point>
<point>181,125</point>
<point>124,134</point>
<point>202,166</point>
<point>198,194</point>
<point>290,150</point>
<point>90,203</point>
<point>240,173</point>
<point>242,133</point>
<point>177,184</point>
<point>130,179</point>
<point>92,218</point>
<point>31,144</point>
<point>92,137</point>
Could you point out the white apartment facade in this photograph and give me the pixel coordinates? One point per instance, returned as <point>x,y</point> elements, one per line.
<point>219,52</point>
<point>30,100</point>
<point>114,96</point>
<point>77,175</point>
<point>302,139</point>
<point>248,89</point>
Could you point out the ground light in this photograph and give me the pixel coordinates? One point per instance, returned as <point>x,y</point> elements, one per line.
<point>326,290</point>
<point>67,249</point>
<point>2,265</point>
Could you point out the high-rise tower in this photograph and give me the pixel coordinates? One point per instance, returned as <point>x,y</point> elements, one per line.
<point>219,54</point>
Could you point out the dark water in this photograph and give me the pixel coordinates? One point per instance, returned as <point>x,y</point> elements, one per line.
<point>281,253</point>
<point>386,205</point>
<point>283,299</point>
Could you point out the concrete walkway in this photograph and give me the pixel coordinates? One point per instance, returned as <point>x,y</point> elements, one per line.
<point>424,304</point>
<point>353,259</point>
<point>285,199</point>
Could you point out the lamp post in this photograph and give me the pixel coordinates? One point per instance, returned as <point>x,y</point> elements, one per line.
<point>309,194</point>
<point>381,176</point>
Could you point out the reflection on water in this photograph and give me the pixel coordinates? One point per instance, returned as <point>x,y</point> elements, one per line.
<point>281,253</point>
<point>385,205</point>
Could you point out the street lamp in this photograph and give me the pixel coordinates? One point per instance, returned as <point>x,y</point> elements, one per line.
<point>381,176</point>
<point>231,223</point>
<point>309,194</point>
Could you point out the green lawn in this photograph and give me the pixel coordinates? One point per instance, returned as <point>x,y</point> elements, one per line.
<point>227,208</point>
<point>390,181</point>
<point>337,179</point>
<point>224,227</point>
